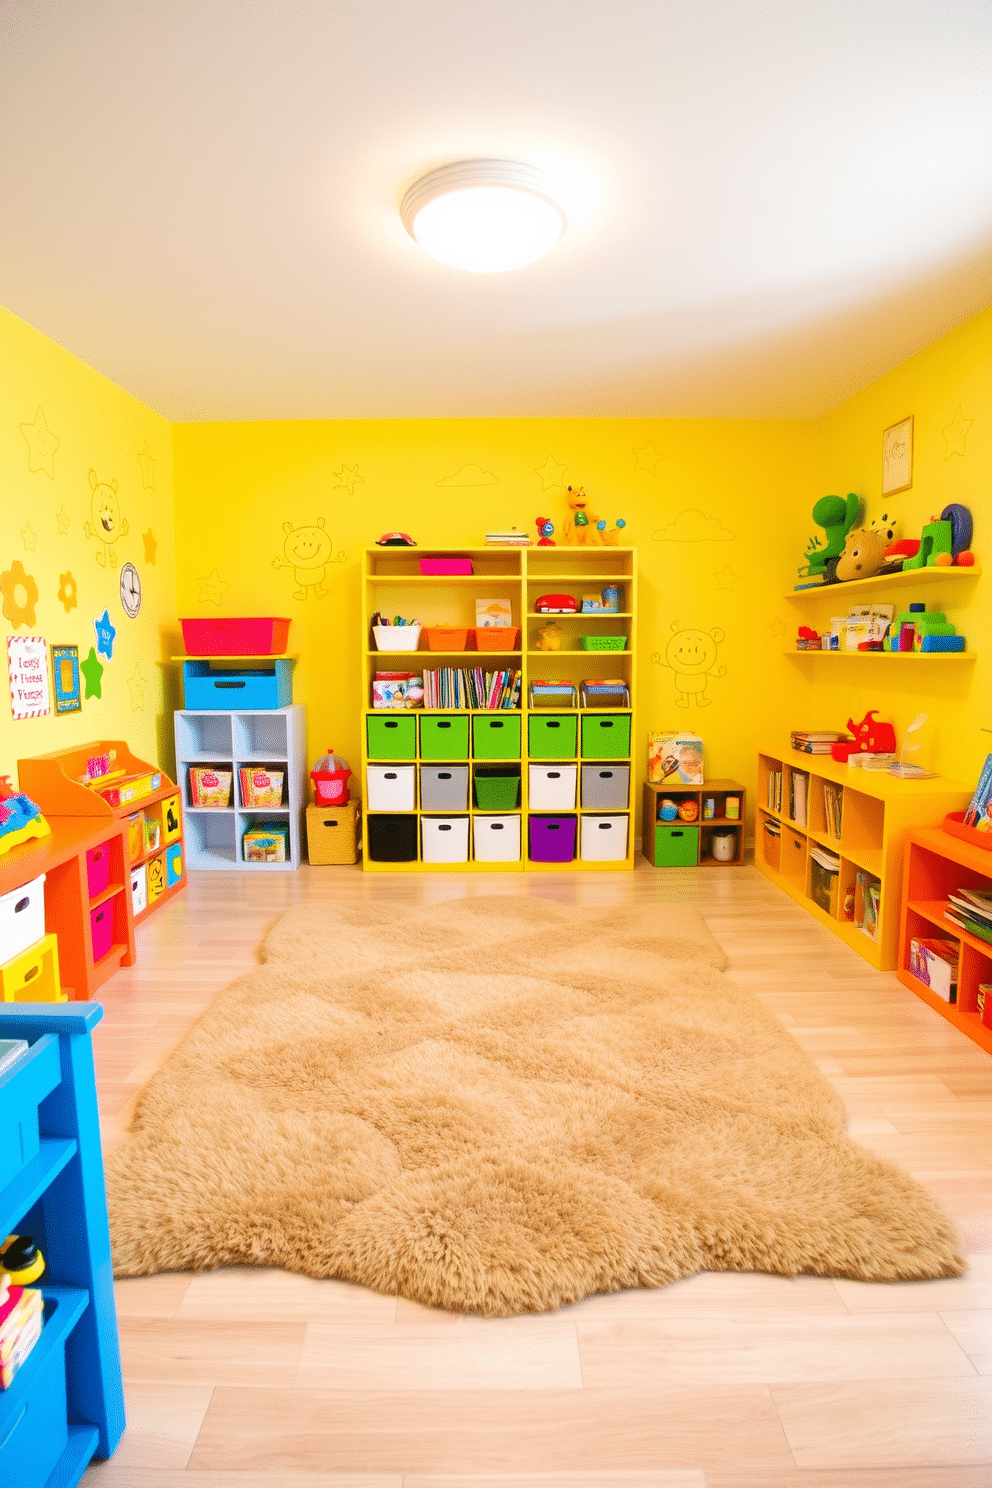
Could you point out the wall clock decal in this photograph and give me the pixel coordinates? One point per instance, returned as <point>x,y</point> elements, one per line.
<point>130,590</point>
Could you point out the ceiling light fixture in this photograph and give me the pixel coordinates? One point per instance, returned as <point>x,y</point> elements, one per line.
<point>484,216</point>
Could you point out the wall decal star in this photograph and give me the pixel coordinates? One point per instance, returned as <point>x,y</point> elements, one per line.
<point>29,538</point>
<point>348,478</point>
<point>147,465</point>
<point>42,444</point>
<point>151,545</point>
<point>136,686</point>
<point>725,577</point>
<point>647,458</point>
<point>212,588</point>
<point>956,433</point>
<point>777,627</point>
<point>62,517</point>
<point>106,634</point>
<point>92,670</point>
<point>552,474</point>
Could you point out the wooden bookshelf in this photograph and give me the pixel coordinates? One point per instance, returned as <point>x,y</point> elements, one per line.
<point>877,811</point>
<point>393,584</point>
<point>719,790</point>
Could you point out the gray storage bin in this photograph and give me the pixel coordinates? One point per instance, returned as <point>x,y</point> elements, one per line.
<point>605,787</point>
<point>444,787</point>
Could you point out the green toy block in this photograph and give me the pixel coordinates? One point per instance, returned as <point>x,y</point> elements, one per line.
<point>936,538</point>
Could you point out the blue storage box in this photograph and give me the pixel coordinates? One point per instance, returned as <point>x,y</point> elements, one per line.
<point>173,864</point>
<point>237,689</point>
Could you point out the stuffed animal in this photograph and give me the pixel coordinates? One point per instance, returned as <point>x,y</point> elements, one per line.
<point>548,638</point>
<point>836,515</point>
<point>581,527</point>
<point>863,554</point>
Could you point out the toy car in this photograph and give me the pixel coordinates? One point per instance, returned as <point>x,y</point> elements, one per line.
<point>556,604</point>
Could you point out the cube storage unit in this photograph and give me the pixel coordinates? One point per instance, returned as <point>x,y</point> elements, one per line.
<point>232,741</point>
<point>65,1405</point>
<point>603,839</point>
<point>560,755</point>
<point>682,844</point>
<point>876,811</point>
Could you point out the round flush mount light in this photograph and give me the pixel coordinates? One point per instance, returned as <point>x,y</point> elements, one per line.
<point>484,216</point>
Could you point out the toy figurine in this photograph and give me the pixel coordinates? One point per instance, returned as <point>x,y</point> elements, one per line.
<point>869,738</point>
<point>545,529</point>
<point>836,515</point>
<point>20,818</point>
<point>21,1259</point>
<point>611,535</point>
<point>582,526</point>
<point>548,638</point>
<point>863,554</point>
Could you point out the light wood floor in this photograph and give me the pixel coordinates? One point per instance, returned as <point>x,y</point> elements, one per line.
<point>257,1379</point>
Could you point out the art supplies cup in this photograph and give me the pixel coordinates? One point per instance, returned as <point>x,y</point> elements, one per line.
<point>709,808</point>
<point>732,808</point>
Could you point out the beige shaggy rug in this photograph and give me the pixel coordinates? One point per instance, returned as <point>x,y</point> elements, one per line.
<point>500,1105</point>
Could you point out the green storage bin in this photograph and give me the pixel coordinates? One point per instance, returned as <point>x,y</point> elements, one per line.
<point>392,737</point>
<point>497,789</point>
<point>552,736</point>
<point>676,846</point>
<point>444,736</point>
<point>496,737</point>
<point>606,736</point>
<point>604,643</point>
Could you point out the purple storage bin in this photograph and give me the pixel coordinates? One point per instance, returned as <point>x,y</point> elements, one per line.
<point>552,839</point>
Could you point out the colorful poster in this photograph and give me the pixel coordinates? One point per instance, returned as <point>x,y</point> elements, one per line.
<point>65,675</point>
<point>27,662</point>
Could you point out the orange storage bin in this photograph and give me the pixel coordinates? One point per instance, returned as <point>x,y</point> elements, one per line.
<point>497,637</point>
<point>446,638</point>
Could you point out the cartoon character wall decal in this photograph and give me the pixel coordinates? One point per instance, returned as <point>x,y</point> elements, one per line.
<point>308,553</point>
<point>107,524</point>
<point>691,654</point>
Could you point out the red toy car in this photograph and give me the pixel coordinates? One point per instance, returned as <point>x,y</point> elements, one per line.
<point>557,604</point>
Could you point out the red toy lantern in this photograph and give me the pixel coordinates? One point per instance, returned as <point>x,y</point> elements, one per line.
<point>330,780</point>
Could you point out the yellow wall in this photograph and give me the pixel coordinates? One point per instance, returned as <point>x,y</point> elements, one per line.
<point>98,427</point>
<point>951,377</point>
<point>238,484</point>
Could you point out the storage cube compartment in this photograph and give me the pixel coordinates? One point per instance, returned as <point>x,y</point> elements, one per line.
<point>864,817</point>
<point>391,787</point>
<point>102,929</point>
<point>496,736</point>
<point>552,736</point>
<point>172,820</point>
<point>443,736</point>
<point>606,735</point>
<point>824,888</point>
<point>391,839</point>
<point>496,839</point>
<point>98,870</point>
<point>173,864</point>
<point>261,736</point>
<point>719,844</point>
<point>208,788</point>
<point>444,787</point>
<point>33,976</point>
<point>603,839</point>
<point>606,787</point>
<point>209,686</point>
<point>794,857</point>
<point>139,889</point>
<point>210,841</point>
<point>38,1430</point>
<point>552,838</point>
<point>135,836</point>
<point>392,738</point>
<point>497,787</point>
<point>22,918</point>
<point>769,842</point>
<point>235,636</point>
<point>675,845</point>
<point>552,787</point>
<point>444,839</point>
<point>21,1093</point>
<point>332,834</point>
<point>203,736</point>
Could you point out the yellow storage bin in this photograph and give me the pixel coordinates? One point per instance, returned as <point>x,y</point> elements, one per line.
<point>33,976</point>
<point>332,834</point>
<point>172,820</point>
<point>156,877</point>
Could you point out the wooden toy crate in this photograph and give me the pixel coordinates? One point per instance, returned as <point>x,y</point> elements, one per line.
<point>332,834</point>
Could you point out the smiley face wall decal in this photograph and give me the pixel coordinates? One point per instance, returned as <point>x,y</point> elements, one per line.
<point>106,523</point>
<point>307,552</point>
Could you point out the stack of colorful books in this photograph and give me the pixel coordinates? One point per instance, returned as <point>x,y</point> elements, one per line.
<point>971,910</point>
<point>20,1327</point>
<point>818,741</point>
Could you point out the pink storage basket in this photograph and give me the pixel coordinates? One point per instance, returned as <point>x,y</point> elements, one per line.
<point>446,566</point>
<point>98,869</point>
<point>238,636</point>
<point>102,928</point>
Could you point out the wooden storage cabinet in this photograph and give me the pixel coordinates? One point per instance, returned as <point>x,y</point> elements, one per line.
<point>664,850</point>
<point>877,809</point>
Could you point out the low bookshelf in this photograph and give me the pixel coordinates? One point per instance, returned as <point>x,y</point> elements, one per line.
<point>682,843</point>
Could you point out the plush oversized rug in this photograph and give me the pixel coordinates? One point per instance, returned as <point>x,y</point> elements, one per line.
<point>499,1105</point>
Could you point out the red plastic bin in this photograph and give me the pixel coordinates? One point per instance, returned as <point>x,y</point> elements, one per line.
<point>98,869</point>
<point>237,636</point>
<point>102,928</point>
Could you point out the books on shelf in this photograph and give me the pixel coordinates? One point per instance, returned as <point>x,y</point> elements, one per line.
<point>798,786</point>
<point>833,808</point>
<point>815,742</point>
<point>20,1328</point>
<point>971,910</point>
<point>512,539</point>
<point>867,893</point>
<point>935,964</point>
<point>775,790</point>
<point>471,687</point>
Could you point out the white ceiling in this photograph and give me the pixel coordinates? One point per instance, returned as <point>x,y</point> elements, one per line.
<point>781,200</point>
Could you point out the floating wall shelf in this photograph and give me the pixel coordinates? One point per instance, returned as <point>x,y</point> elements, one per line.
<point>898,580</point>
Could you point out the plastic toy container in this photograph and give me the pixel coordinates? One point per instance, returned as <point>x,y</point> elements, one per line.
<point>496,839</point>
<point>606,735</point>
<point>392,738</point>
<point>443,737</point>
<point>603,839</point>
<point>33,976</point>
<point>496,735</point>
<point>396,637</point>
<point>552,787</point>
<point>22,918</point>
<point>497,637</point>
<point>444,839</point>
<point>676,846</point>
<point>497,789</point>
<point>330,776</point>
<point>390,787</point>
<point>102,929</point>
<point>553,737</point>
<point>391,839</point>
<point>206,688</point>
<point>605,787</point>
<point>604,643</point>
<point>449,566</point>
<point>444,787</point>
<point>173,864</point>
<point>97,870</point>
<point>235,637</point>
<point>446,638</point>
<point>552,839</point>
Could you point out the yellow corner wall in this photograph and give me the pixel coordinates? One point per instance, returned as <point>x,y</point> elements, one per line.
<point>702,501</point>
<point>61,419</point>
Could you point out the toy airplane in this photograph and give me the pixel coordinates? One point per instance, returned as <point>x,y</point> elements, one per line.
<point>20,818</point>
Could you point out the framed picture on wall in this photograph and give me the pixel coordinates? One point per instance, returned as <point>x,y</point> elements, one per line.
<point>65,675</point>
<point>897,456</point>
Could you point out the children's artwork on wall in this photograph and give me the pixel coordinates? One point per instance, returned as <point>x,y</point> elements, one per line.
<point>470,475</point>
<point>65,678</point>
<point>725,577</point>
<point>212,588</point>
<point>67,592</point>
<point>552,474</point>
<point>136,686</point>
<point>107,524</point>
<point>29,538</point>
<point>20,595</point>
<point>130,588</point>
<point>92,670</point>
<point>42,444</point>
<point>62,517</point>
<point>146,464</point>
<point>897,456</point>
<point>691,654</point>
<point>347,478</point>
<point>693,525</point>
<point>956,433</point>
<point>106,634</point>
<point>27,663</point>
<point>308,553</point>
<point>647,458</point>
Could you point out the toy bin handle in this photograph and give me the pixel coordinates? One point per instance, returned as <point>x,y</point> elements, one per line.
<point>229,684</point>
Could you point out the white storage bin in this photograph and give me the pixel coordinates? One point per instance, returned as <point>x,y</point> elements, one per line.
<point>603,839</point>
<point>391,787</point>
<point>139,889</point>
<point>22,918</point>
<point>396,637</point>
<point>552,787</point>
<point>496,839</point>
<point>445,839</point>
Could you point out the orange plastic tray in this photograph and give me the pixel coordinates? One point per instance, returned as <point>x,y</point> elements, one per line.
<point>954,824</point>
<point>446,638</point>
<point>497,637</point>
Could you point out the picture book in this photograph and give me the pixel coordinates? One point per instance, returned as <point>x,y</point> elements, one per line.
<point>675,757</point>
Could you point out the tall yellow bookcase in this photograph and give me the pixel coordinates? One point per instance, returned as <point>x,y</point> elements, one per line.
<point>394,585</point>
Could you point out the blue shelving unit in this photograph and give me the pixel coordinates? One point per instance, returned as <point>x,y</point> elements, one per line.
<point>66,1403</point>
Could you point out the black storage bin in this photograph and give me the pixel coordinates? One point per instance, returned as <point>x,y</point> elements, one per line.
<point>391,839</point>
